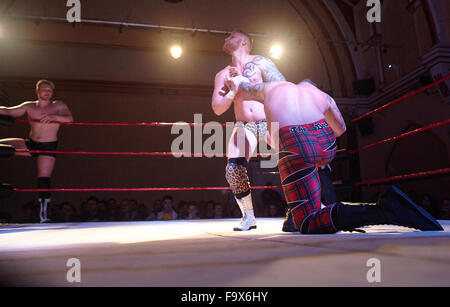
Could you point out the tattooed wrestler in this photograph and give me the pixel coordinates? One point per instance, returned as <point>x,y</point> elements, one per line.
<point>251,125</point>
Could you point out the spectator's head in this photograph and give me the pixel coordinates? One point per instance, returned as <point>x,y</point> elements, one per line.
<point>112,202</point>
<point>446,206</point>
<point>92,205</point>
<point>192,209</point>
<point>157,206</point>
<point>55,211</point>
<point>142,210</point>
<point>133,204</point>
<point>67,212</point>
<point>125,211</point>
<point>102,205</point>
<point>209,209</point>
<point>167,203</point>
<point>427,202</point>
<point>446,203</point>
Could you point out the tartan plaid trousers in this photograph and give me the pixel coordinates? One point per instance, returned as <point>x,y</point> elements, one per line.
<point>303,149</point>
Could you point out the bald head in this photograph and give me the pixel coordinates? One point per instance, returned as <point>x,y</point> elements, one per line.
<point>237,39</point>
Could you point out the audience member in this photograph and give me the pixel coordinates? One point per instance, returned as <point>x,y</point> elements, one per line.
<point>183,210</point>
<point>444,212</point>
<point>133,209</point>
<point>157,207</point>
<point>428,203</point>
<point>125,210</point>
<point>55,212</point>
<point>68,213</point>
<point>103,212</point>
<point>141,213</point>
<point>30,214</point>
<point>208,210</point>
<point>192,213</point>
<point>167,213</point>
<point>88,211</point>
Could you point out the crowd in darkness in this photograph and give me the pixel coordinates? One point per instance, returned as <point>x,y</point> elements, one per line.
<point>271,204</point>
<point>164,208</point>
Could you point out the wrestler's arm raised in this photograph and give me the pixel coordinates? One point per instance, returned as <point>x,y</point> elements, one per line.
<point>221,102</point>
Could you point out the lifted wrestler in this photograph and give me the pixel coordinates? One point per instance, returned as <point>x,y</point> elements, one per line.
<point>309,122</point>
<point>43,135</point>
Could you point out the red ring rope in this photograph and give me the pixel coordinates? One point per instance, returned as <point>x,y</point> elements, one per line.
<point>402,177</point>
<point>139,189</point>
<point>400,99</point>
<point>419,130</point>
<point>112,153</point>
<point>156,124</point>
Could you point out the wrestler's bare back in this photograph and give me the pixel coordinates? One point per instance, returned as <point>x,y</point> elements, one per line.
<point>289,104</point>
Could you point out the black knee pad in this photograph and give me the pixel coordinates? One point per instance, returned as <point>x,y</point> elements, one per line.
<point>44,183</point>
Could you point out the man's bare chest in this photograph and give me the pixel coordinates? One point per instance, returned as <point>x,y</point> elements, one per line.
<point>253,71</point>
<point>36,112</point>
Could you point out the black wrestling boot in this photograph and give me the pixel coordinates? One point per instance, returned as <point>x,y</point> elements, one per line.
<point>393,208</point>
<point>288,224</point>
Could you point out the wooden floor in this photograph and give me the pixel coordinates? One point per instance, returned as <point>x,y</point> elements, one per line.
<point>207,253</point>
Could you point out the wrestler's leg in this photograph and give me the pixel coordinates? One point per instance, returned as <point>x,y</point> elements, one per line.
<point>241,147</point>
<point>242,143</point>
<point>45,166</point>
<point>328,192</point>
<point>301,154</point>
<point>18,144</point>
<point>302,192</point>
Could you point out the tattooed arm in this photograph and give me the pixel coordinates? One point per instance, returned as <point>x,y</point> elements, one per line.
<point>254,91</point>
<point>270,72</point>
<point>250,91</point>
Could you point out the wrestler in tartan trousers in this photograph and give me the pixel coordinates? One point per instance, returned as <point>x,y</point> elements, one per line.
<point>303,149</point>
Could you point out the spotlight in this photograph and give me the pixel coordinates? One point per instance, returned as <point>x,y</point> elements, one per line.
<point>276,51</point>
<point>176,51</point>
